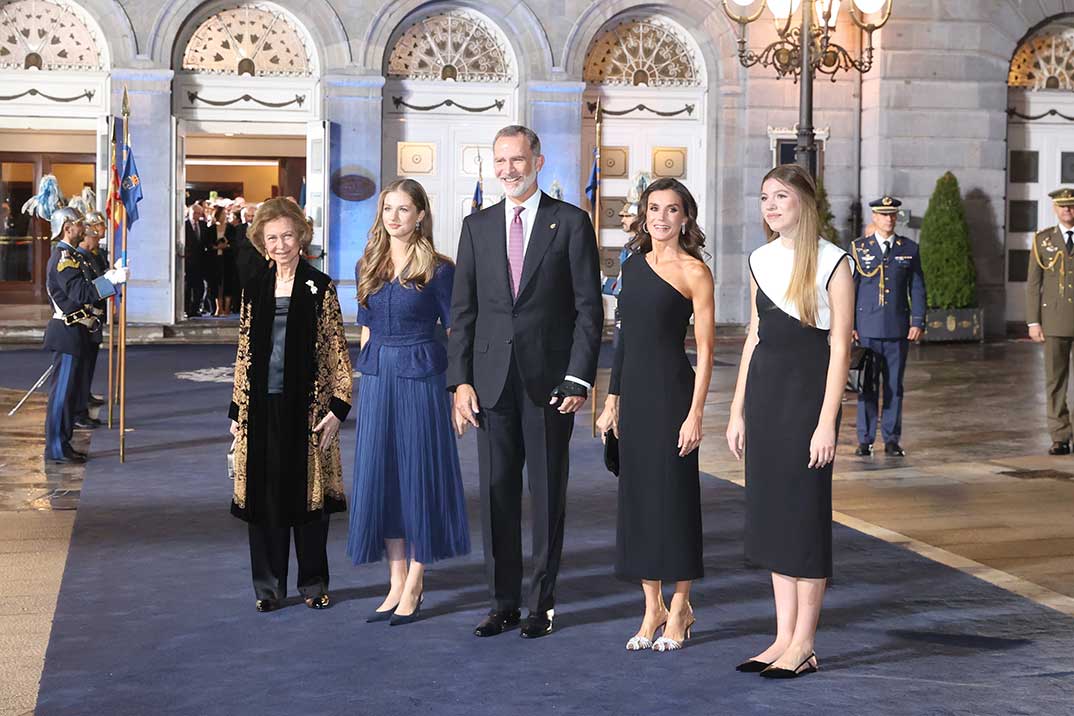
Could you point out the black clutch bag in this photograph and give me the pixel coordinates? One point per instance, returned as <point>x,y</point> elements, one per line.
<point>611,453</point>
<point>864,373</point>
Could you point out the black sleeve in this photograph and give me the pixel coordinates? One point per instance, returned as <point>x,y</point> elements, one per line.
<point>463,314</point>
<point>588,304</point>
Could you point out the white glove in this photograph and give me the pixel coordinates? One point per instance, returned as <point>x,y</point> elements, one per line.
<point>117,276</point>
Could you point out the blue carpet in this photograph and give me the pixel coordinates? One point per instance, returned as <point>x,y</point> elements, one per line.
<point>155,614</point>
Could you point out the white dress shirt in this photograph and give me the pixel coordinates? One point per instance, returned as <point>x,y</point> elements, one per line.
<point>528,217</point>
<point>885,244</point>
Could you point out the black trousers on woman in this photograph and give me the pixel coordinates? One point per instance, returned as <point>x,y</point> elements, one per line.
<point>278,502</point>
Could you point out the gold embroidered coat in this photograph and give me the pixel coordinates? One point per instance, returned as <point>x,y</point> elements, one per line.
<point>1050,284</point>
<point>317,379</point>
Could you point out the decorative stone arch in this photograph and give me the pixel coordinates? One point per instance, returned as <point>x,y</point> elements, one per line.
<point>521,28</point>
<point>83,22</point>
<point>457,44</point>
<point>707,27</point>
<point>1044,58</point>
<point>174,27</point>
<point>646,51</point>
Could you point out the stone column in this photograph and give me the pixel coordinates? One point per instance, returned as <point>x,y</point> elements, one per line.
<point>151,252</point>
<point>554,111</point>
<point>353,106</point>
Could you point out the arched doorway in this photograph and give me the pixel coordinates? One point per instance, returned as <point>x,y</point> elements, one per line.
<point>1040,143</point>
<point>650,79</point>
<point>53,120</point>
<point>452,82</point>
<point>248,116</point>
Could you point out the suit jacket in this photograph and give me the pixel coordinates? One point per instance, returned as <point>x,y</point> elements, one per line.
<point>903,288</point>
<point>1050,284</point>
<point>193,250</point>
<point>553,328</point>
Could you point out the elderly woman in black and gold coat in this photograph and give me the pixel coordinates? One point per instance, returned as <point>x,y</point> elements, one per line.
<point>292,391</point>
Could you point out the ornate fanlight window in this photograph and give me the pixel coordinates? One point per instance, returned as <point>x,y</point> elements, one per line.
<point>1046,60</point>
<point>47,35</point>
<point>454,45</point>
<point>649,52</point>
<point>253,39</point>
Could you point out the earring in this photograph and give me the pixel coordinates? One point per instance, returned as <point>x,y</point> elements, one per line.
<point>644,228</point>
<point>419,226</point>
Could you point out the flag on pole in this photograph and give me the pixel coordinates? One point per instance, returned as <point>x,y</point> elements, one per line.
<point>479,190</point>
<point>593,187</point>
<point>130,191</point>
<point>302,194</point>
<point>114,201</point>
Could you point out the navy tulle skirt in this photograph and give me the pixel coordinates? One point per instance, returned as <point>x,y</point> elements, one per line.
<point>407,483</point>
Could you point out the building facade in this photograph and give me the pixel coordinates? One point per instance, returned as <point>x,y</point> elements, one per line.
<point>365,91</point>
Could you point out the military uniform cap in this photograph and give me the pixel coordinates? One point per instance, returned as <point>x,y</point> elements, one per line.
<point>1063,197</point>
<point>885,205</point>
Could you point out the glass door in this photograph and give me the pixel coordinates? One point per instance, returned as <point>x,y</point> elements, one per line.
<point>24,244</point>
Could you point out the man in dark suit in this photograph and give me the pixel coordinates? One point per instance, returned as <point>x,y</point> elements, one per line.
<point>525,335</point>
<point>889,315</point>
<point>193,260</point>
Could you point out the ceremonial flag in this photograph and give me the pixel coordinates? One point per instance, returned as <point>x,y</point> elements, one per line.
<point>479,198</point>
<point>593,187</point>
<point>130,191</point>
<point>114,201</point>
<point>302,194</point>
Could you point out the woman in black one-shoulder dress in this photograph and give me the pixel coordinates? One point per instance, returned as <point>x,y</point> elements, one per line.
<point>785,413</point>
<point>655,404</point>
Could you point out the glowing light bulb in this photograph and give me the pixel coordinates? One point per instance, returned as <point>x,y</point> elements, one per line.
<point>822,7</point>
<point>780,9</point>
<point>870,6</point>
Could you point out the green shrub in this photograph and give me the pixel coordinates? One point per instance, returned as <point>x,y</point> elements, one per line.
<point>824,209</point>
<point>946,254</point>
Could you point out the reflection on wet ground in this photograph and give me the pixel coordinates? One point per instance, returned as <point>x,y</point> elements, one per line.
<point>27,482</point>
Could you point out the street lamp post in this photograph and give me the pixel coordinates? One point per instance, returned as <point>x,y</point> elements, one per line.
<point>804,50</point>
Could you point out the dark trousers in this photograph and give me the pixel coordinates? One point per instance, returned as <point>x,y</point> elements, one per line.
<point>194,292</point>
<point>270,549</point>
<point>1056,380</point>
<point>892,352</point>
<point>516,432</point>
<point>62,395</point>
<point>87,366</point>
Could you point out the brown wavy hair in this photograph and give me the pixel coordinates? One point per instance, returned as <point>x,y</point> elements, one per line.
<point>692,241</point>
<point>375,267</point>
<point>802,289</point>
<point>279,208</point>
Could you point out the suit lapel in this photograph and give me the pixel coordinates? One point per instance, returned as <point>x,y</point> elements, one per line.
<point>541,236</point>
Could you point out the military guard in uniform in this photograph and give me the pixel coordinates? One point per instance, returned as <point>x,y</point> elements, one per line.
<point>1050,311</point>
<point>889,314</point>
<point>93,264</point>
<point>72,296</point>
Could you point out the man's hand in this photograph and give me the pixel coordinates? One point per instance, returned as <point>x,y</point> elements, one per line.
<point>915,334</point>
<point>466,408</point>
<point>1036,334</point>
<point>568,396</point>
<point>328,427</point>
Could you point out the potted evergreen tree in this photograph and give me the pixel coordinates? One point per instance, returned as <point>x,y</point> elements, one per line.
<point>824,209</point>
<point>947,262</point>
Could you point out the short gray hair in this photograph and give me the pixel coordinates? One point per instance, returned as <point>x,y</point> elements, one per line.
<point>516,130</point>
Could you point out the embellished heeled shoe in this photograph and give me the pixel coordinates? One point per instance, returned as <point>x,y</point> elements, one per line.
<point>400,619</point>
<point>665,644</point>
<point>321,602</point>
<point>267,605</point>
<point>780,673</point>
<point>641,643</point>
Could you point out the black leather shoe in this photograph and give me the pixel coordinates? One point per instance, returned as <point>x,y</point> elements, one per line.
<point>864,449</point>
<point>1059,447</point>
<point>894,449</point>
<point>87,423</point>
<point>267,605</point>
<point>752,666</point>
<point>497,622</point>
<point>537,625</point>
<point>68,459</point>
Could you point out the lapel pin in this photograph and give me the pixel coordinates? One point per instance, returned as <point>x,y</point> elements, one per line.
<point>551,226</point>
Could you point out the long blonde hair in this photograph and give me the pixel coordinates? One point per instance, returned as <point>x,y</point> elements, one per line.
<point>802,289</point>
<point>375,267</point>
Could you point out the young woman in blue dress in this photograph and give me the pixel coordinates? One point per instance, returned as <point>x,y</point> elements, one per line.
<point>408,501</point>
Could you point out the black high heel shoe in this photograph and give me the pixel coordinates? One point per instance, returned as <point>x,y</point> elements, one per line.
<point>752,666</point>
<point>780,673</point>
<point>381,616</point>
<point>400,619</point>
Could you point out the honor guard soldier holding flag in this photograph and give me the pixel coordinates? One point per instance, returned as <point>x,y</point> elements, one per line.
<point>890,313</point>
<point>72,295</point>
<point>93,265</point>
<point>1050,311</point>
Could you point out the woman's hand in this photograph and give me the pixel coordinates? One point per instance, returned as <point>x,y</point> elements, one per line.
<point>328,427</point>
<point>689,434</point>
<point>609,417</point>
<point>736,436</point>
<point>822,446</point>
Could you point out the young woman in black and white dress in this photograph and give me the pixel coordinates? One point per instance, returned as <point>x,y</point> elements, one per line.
<point>786,410</point>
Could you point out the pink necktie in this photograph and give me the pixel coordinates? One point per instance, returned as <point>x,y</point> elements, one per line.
<point>515,252</point>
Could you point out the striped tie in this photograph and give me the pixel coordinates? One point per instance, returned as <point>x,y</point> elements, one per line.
<point>515,251</point>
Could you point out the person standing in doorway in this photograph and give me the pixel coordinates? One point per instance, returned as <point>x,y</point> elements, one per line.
<point>1050,311</point>
<point>888,317</point>
<point>526,318</point>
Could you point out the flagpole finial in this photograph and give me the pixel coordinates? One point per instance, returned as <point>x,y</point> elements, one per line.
<point>126,103</point>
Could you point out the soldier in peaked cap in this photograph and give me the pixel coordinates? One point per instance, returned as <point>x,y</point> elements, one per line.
<point>889,314</point>
<point>1050,311</point>
<point>72,295</point>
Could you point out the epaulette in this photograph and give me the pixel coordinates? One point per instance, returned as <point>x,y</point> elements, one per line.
<point>66,261</point>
